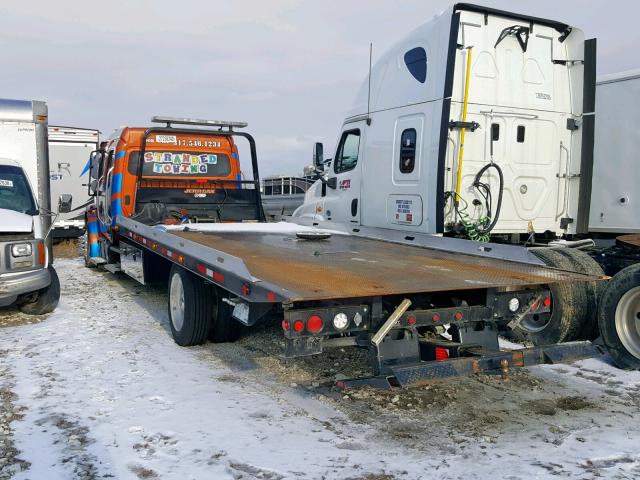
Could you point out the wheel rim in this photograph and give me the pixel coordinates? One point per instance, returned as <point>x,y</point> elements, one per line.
<point>628,321</point>
<point>176,302</point>
<point>535,323</point>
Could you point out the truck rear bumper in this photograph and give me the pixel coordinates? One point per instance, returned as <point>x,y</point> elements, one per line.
<point>14,284</point>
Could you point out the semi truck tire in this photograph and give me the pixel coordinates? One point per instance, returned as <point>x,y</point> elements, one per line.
<point>568,310</point>
<point>46,300</point>
<point>619,317</point>
<point>190,307</point>
<point>223,327</point>
<point>583,263</point>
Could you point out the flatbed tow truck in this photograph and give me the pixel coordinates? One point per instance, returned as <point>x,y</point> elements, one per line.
<point>426,307</point>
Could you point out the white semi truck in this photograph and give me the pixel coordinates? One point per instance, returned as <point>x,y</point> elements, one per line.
<point>69,152</point>
<point>27,276</point>
<point>480,124</point>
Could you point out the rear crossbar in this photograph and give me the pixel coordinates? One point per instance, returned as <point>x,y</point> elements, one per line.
<point>428,372</point>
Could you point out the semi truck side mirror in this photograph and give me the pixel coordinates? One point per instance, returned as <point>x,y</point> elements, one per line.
<point>64,203</point>
<point>318,156</point>
<point>332,182</point>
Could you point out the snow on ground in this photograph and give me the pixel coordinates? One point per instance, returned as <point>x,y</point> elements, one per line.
<point>99,390</point>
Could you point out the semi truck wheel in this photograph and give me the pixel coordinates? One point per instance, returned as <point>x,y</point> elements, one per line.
<point>46,299</point>
<point>223,327</point>
<point>619,317</point>
<point>568,309</point>
<point>190,306</point>
<point>583,263</point>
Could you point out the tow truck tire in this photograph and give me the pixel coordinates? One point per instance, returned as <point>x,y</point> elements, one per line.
<point>619,317</point>
<point>47,299</point>
<point>568,311</point>
<point>223,327</point>
<point>190,306</point>
<point>583,263</point>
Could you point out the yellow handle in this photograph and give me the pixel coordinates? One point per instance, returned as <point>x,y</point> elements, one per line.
<point>464,119</point>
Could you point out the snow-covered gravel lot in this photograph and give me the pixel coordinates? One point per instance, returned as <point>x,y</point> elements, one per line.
<point>98,389</point>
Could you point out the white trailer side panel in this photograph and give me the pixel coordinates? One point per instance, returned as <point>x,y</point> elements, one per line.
<point>615,199</point>
<point>69,151</point>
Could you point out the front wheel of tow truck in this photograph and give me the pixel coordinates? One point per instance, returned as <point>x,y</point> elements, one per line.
<point>190,307</point>
<point>619,317</point>
<point>46,300</point>
<point>568,308</point>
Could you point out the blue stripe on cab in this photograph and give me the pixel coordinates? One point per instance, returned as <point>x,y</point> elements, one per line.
<point>116,185</point>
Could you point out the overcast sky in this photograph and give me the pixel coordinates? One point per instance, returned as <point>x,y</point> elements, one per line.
<point>289,68</point>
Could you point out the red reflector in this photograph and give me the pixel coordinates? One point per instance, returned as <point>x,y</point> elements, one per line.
<point>201,180</point>
<point>246,289</point>
<point>218,277</point>
<point>547,301</point>
<point>285,324</point>
<point>435,318</point>
<point>458,316</point>
<point>298,325</point>
<point>314,324</point>
<point>271,297</point>
<point>411,320</point>
<point>441,354</point>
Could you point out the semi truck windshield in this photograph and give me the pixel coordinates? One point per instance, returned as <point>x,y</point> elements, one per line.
<point>15,193</point>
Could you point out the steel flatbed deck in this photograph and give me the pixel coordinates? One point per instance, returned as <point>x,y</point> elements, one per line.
<point>277,266</point>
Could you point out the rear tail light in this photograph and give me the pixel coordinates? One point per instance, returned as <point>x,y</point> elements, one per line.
<point>285,325</point>
<point>435,318</point>
<point>441,354</point>
<point>458,316</point>
<point>547,302</point>
<point>411,320</point>
<point>314,323</point>
<point>298,325</point>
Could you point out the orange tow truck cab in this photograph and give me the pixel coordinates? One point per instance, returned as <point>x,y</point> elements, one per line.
<point>167,175</point>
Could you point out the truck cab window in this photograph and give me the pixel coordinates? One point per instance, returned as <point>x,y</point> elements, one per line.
<point>15,193</point>
<point>347,154</point>
<point>416,62</point>
<point>408,150</point>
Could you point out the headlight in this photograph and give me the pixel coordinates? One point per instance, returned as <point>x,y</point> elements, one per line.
<point>340,321</point>
<point>514,305</point>
<point>21,250</point>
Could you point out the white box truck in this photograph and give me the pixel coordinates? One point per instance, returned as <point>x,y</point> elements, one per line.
<point>27,276</point>
<point>69,152</point>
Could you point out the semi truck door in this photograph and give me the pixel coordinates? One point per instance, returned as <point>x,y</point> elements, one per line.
<point>342,201</point>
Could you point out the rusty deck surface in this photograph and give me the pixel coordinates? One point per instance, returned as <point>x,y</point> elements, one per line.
<point>631,240</point>
<point>349,266</point>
